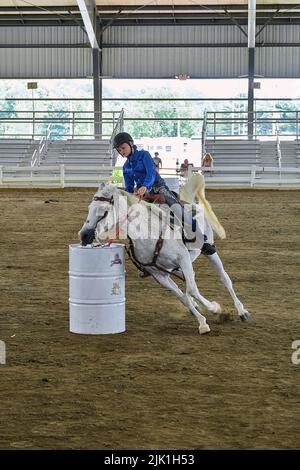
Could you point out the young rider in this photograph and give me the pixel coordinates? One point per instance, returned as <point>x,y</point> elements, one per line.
<point>141,176</point>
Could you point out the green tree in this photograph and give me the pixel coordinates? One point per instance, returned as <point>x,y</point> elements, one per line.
<point>288,111</point>
<point>161,110</point>
<point>8,112</point>
<point>61,127</point>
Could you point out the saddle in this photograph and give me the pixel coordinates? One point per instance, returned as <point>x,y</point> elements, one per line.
<point>160,198</point>
<point>155,198</point>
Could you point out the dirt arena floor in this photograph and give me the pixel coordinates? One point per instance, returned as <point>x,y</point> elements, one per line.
<point>159,385</point>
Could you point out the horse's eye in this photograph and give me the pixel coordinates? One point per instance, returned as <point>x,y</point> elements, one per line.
<point>87,221</point>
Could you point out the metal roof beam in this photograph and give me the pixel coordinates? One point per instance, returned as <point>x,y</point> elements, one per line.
<point>158,18</point>
<point>88,10</point>
<point>234,21</point>
<point>34,8</point>
<point>29,22</point>
<point>190,7</point>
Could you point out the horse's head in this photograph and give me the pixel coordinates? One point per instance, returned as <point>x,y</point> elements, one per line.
<point>100,217</point>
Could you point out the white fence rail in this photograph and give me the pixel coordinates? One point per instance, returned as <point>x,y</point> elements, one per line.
<point>55,175</point>
<point>89,175</point>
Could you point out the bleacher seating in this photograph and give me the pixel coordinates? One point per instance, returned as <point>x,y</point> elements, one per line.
<point>234,161</point>
<point>89,159</point>
<point>81,152</point>
<point>16,151</point>
<point>237,163</point>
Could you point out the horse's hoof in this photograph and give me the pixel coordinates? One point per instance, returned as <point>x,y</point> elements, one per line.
<point>204,329</point>
<point>216,308</point>
<point>245,315</point>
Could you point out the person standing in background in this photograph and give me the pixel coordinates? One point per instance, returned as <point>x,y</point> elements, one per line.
<point>208,163</point>
<point>157,161</point>
<point>184,167</point>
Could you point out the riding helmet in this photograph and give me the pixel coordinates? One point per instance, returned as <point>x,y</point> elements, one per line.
<point>122,138</point>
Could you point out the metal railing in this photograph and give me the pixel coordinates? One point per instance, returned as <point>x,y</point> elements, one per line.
<point>42,148</point>
<point>278,152</point>
<point>70,120</point>
<point>80,124</point>
<point>203,135</point>
<point>220,124</point>
<point>119,126</point>
<point>65,124</point>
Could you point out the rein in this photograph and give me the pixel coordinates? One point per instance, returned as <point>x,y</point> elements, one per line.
<point>130,251</point>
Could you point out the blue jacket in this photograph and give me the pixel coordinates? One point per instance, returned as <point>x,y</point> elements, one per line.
<point>139,169</point>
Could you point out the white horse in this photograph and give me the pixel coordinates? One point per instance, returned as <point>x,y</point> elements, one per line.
<point>154,247</point>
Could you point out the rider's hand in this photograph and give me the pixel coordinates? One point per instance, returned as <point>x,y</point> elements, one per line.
<point>141,191</point>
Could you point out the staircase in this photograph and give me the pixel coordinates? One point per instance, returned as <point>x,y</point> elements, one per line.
<point>290,154</point>
<point>269,156</point>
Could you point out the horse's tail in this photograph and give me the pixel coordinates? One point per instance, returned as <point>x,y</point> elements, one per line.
<point>211,216</point>
<point>195,187</point>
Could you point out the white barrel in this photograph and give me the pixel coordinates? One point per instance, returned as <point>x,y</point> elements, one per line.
<point>97,289</point>
<point>172,182</point>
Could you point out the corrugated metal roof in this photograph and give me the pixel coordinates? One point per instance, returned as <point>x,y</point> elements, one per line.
<point>280,33</point>
<point>54,62</point>
<point>45,63</point>
<point>120,61</point>
<point>279,62</point>
<point>173,34</point>
<point>42,35</point>
<point>201,62</point>
<point>168,62</point>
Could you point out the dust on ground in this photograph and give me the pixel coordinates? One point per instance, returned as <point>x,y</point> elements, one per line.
<point>159,385</point>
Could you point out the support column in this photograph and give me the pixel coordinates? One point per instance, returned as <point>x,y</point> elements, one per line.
<point>88,10</point>
<point>251,64</point>
<point>251,58</point>
<point>97,87</point>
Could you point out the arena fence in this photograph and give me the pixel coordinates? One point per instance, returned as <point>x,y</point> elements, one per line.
<point>88,175</point>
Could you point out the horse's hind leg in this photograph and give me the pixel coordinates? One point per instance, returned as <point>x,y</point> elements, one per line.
<point>218,265</point>
<point>192,289</point>
<point>166,281</point>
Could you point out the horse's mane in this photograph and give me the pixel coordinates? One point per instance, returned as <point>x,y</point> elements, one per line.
<point>133,199</point>
<point>108,190</point>
<point>194,187</point>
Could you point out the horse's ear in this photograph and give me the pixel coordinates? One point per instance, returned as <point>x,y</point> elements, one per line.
<point>101,185</point>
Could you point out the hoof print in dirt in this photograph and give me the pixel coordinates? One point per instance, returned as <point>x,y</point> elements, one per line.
<point>225,317</point>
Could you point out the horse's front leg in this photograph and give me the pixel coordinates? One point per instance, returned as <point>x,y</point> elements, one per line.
<point>191,286</point>
<point>166,281</point>
<point>218,265</point>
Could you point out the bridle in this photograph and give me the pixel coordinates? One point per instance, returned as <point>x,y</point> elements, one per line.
<point>104,199</point>
<point>130,250</point>
<point>110,200</point>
